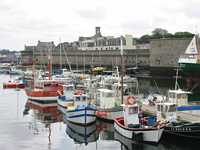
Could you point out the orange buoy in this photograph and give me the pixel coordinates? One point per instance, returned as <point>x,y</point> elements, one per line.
<point>130,100</point>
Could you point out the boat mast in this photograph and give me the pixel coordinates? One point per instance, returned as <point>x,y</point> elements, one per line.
<point>122,71</point>
<point>197,43</point>
<point>49,63</point>
<point>60,54</point>
<point>33,67</point>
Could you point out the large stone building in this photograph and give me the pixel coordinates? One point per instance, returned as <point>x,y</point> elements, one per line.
<point>99,42</point>
<point>87,57</point>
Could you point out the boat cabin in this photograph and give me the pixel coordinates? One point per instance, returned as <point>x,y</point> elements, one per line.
<point>166,111</point>
<point>131,115</point>
<point>69,90</point>
<point>80,98</point>
<point>106,98</point>
<point>178,97</point>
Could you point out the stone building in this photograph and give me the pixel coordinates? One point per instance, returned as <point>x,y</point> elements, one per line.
<point>99,42</point>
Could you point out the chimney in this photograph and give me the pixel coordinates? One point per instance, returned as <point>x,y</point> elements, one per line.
<point>97,31</point>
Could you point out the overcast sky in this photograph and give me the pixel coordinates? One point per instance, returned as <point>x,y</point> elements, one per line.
<point>27,21</point>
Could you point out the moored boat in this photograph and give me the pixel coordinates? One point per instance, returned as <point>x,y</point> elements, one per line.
<point>170,110</point>
<point>78,109</point>
<point>138,128</point>
<point>13,85</point>
<point>47,93</point>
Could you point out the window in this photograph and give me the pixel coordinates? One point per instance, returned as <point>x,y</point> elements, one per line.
<point>133,110</point>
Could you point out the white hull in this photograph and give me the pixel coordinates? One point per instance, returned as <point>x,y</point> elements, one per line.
<point>81,116</point>
<point>148,135</point>
<point>62,109</point>
<point>62,103</point>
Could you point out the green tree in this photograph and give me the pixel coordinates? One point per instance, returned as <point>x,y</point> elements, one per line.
<point>183,34</point>
<point>159,33</point>
<point>145,38</point>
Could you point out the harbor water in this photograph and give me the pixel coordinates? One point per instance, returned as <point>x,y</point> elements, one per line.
<point>25,125</point>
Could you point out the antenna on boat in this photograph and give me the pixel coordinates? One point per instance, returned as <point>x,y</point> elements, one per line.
<point>122,70</point>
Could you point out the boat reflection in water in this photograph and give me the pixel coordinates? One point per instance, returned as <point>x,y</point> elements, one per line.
<point>105,130</point>
<point>81,134</point>
<point>128,144</point>
<point>42,116</point>
<point>167,143</point>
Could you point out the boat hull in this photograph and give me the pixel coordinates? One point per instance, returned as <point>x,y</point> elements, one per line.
<point>13,86</point>
<point>191,130</point>
<point>82,116</point>
<point>152,135</point>
<point>43,96</point>
<point>190,67</point>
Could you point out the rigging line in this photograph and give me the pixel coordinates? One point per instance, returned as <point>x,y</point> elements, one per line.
<point>196,85</point>
<point>67,60</point>
<point>157,86</point>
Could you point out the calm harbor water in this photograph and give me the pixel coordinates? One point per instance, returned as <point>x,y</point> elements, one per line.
<point>25,125</point>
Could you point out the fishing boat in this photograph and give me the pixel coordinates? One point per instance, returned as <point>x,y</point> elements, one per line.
<point>176,105</point>
<point>44,91</point>
<point>47,92</point>
<point>142,129</point>
<point>13,85</point>
<point>79,110</point>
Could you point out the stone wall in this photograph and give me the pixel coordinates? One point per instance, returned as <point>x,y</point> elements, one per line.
<point>165,52</point>
<point>90,58</point>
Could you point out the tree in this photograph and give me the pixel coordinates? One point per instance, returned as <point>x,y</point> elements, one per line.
<point>145,38</point>
<point>159,33</point>
<point>183,35</point>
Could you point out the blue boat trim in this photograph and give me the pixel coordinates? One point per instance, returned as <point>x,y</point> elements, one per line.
<point>82,109</point>
<point>187,108</point>
<point>82,115</point>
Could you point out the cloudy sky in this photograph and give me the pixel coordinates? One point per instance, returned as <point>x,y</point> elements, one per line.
<point>27,21</point>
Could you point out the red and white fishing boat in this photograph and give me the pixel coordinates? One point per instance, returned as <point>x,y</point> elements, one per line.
<point>45,91</point>
<point>143,129</point>
<point>13,85</point>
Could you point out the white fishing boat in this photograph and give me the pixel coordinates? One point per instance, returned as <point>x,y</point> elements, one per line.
<point>78,109</point>
<point>171,112</point>
<point>143,129</point>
